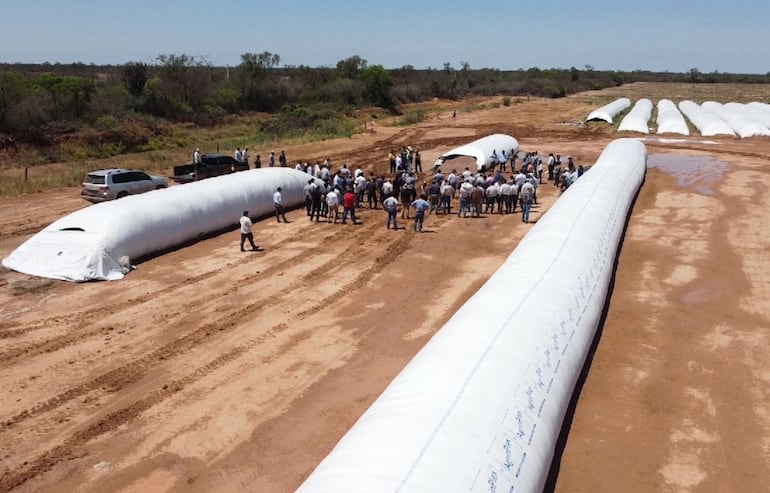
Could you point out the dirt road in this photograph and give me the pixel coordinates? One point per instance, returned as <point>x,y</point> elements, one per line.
<point>211,369</point>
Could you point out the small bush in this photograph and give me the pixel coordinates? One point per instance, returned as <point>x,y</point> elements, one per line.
<point>412,117</point>
<point>507,101</point>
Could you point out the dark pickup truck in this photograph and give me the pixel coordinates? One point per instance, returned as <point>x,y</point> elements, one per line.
<point>211,165</point>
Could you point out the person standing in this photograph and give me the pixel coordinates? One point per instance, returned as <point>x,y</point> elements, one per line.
<point>434,194</point>
<point>465,199</point>
<point>550,164</point>
<point>245,156</point>
<point>527,194</point>
<point>316,197</point>
<point>271,159</point>
<point>406,199</point>
<point>514,194</point>
<point>371,192</point>
<point>238,155</point>
<point>196,156</point>
<point>392,161</point>
<point>447,193</point>
<point>282,159</point>
<point>246,233</point>
<point>387,189</point>
<point>539,170</point>
<point>278,203</point>
<point>390,205</point>
<point>476,199</point>
<point>332,202</point>
<point>557,170</point>
<point>420,206</point>
<point>349,206</point>
<point>417,162</point>
<point>257,162</point>
<point>307,189</point>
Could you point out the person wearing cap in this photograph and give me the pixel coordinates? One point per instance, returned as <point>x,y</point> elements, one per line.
<point>246,233</point>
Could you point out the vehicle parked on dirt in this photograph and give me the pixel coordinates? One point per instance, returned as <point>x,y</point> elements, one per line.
<point>211,165</point>
<point>114,183</point>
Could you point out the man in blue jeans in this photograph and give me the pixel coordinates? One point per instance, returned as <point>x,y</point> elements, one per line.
<point>420,206</point>
<point>391,206</point>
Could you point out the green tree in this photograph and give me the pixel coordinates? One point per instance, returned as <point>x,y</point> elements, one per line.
<point>13,89</point>
<point>185,87</point>
<point>252,73</point>
<point>69,94</point>
<point>377,84</point>
<point>134,77</point>
<point>351,67</point>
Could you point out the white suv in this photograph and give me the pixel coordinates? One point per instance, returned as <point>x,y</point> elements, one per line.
<point>109,184</point>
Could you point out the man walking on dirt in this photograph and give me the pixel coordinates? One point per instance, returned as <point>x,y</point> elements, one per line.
<point>278,203</point>
<point>246,233</point>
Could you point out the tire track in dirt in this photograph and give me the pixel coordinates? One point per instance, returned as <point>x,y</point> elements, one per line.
<point>119,377</point>
<point>75,336</point>
<point>115,379</point>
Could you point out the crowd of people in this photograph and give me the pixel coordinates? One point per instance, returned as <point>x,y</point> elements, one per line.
<point>334,196</point>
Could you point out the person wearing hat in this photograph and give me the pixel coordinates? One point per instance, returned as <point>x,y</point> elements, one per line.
<point>246,233</point>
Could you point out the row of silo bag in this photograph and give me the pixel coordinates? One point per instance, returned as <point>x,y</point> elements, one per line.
<point>481,406</point>
<point>710,118</point>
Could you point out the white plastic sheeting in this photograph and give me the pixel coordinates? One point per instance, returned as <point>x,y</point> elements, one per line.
<point>636,119</point>
<point>738,118</point>
<point>707,123</point>
<point>759,112</point>
<point>89,243</point>
<point>482,149</point>
<point>670,120</point>
<point>480,407</point>
<point>609,111</point>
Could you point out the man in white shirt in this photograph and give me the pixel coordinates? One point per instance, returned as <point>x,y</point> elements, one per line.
<point>197,156</point>
<point>246,233</point>
<point>465,191</point>
<point>238,155</point>
<point>332,202</point>
<point>245,156</point>
<point>278,203</point>
<point>505,195</point>
<point>390,205</point>
<point>387,189</point>
<point>447,193</point>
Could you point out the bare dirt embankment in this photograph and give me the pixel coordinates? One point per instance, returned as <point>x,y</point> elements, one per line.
<point>209,369</point>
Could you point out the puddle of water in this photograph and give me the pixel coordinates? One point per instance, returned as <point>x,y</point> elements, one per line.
<point>698,173</point>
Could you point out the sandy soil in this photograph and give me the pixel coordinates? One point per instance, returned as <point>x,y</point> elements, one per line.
<point>209,369</point>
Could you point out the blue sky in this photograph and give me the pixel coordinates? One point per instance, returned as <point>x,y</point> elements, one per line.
<point>672,35</point>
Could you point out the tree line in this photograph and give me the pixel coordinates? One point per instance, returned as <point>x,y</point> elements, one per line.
<point>38,101</point>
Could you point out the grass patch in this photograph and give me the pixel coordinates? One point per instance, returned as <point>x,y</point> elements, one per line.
<point>40,178</point>
<point>411,117</point>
